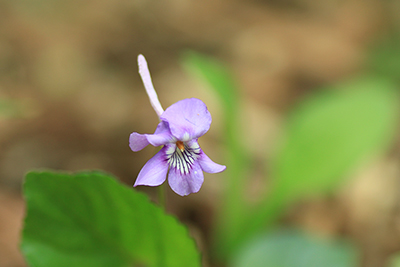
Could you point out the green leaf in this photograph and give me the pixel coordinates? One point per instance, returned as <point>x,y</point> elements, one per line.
<point>11,108</point>
<point>89,219</point>
<point>221,81</point>
<point>331,133</point>
<point>292,249</point>
<point>216,75</point>
<point>384,58</point>
<point>395,260</point>
<point>326,137</point>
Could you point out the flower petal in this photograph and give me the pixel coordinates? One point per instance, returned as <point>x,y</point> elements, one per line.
<point>185,184</point>
<point>148,85</point>
<point>208,165</point>
<point>188,119</point>
<point>154,172</point>
<point>137,141</point>
<point>161,136</point>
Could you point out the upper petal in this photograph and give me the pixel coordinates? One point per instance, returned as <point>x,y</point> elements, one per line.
<point>208,165</point>
<point>154,172</point>
<point>188,119</point>
<point>185,184</point>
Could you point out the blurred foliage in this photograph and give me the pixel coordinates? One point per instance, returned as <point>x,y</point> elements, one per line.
<point>220,79</point>
<point>217,75</point>
<point>395,260</point>
<point>293,249</point>
<point>88,219</point>
<point>384,57</point>
<point>331,132</point>
<point>327,136</point>
<point>12,108</point>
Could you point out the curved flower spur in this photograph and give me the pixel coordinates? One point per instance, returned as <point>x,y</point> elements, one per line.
<point>180,126</point>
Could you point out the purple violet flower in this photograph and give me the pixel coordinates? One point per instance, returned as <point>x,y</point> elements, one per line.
<point>180,126</point>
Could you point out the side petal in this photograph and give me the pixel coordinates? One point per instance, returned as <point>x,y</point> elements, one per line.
<point>188,119</point>
<point>154,172</point>
<point>161,136</point>
<point>137,141</point>
<point>185,184</point>
<point>208,165</point>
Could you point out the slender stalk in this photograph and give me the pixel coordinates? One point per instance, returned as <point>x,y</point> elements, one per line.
<point>161,196</point>
<point>148,85</point>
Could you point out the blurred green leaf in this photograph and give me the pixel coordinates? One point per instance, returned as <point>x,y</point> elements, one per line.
<point>326,137</point>
<point>88,219</point>
<point>395,260</point>
<point>216,75</point>
<point>384,58</point>
<point>292,249</point>
<point>219,78</point>
<point>332,132</point>
<point>10,108</point>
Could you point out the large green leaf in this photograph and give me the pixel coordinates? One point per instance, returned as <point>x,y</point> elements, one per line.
<point>89,219</point>
<point>292,249</point>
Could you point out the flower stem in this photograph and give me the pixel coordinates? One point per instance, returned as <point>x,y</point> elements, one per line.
<point>161,196</point>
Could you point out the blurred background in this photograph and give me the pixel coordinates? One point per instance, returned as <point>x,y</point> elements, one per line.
<point>70,95</point>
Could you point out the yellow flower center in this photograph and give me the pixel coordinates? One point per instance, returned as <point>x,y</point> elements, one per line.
<point>180,145</point>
